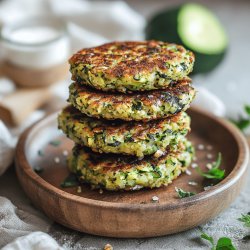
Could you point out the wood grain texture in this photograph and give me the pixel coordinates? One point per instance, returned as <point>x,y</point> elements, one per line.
<point>132,214</point>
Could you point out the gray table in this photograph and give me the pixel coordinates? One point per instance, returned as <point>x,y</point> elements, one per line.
<point>230,82</point>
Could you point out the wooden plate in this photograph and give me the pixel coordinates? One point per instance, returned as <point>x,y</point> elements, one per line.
<point>132,214</point>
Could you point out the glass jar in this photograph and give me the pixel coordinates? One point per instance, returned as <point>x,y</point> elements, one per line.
<point>35,51</point>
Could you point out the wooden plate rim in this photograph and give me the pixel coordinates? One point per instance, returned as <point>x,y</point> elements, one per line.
<point>238,170</point>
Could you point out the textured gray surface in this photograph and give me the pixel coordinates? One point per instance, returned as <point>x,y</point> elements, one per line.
<point>231,83</point>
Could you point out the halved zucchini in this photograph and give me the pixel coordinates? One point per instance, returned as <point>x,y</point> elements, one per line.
<point>195,27</point>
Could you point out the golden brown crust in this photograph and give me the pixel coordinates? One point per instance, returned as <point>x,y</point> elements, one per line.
<point>112,162</point>
<point>131,66</point>
<point>149,55</point>
<point>120,127</point>
<point>139,106</point>
<point>133,57</point>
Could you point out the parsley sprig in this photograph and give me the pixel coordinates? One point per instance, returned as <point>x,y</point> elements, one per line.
<point>183,194</point>
<point>224,243</point>
<point>243,122</point>
<point>215,172</point>
<point>245,218</point>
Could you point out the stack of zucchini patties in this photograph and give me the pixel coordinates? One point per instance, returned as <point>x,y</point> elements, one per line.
<point>127,114</point>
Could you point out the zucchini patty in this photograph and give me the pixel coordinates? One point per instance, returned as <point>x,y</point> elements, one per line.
<point>145,106</point>
<point>132,138</point>
<point>131,66</point>
<point>114,172</point>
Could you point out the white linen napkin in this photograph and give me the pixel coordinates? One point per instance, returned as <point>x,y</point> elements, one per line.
<point>33,241</point>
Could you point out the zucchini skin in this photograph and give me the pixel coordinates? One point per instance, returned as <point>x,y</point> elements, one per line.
<point>164,27</point>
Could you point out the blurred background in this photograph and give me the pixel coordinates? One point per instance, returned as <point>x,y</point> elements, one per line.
<point>38,36</point>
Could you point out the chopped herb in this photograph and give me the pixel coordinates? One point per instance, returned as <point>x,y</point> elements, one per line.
<point>114,144</point>
<point>55,143</point>
<point>224,243</point>
<point>70,181</point>
<point>128,139</point>
<point>38,170</point>
<point>245,218</point>
<point>243,122</point>
<point>156,174</point>
<point>184,66</point>
<point>137,105</point>
<point>40,152</point>
<point>182,193</point>
<point>162,75</point>
<point>151,136</point>
<point>214,172</point>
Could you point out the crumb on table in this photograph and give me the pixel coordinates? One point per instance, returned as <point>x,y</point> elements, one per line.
<point>108,247</point>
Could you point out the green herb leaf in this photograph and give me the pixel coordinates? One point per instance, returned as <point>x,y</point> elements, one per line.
<point>183,194</point>
<point>215,172</point>
<point>38,170</point>
<point>212,173</point>
<point>243,123</point>
<point>137,105</point>
<point>207,237</point>
<point>156,174</point>
<point>55,143</point>
<point>114,144</point>
<point>217,164</point>
<point>225,243</point>
<point>245,218</point>
<point>70,181</point>
<point>247,109</point>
